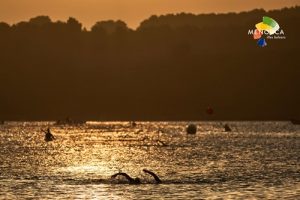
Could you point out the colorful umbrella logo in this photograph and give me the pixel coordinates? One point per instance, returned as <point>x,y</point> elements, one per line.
<point>268,24</point>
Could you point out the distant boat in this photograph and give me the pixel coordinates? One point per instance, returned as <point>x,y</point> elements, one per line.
<point>295,121</point>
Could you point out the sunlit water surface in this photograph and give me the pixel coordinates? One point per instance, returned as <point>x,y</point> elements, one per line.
<point>256,160</point>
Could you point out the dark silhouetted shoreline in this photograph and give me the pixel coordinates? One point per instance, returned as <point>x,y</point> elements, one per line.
<point>171,68</point>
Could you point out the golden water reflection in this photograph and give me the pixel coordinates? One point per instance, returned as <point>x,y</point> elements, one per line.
<point>259,160</point>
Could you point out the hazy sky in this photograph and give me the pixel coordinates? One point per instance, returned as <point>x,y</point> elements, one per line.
<point>130,11</point>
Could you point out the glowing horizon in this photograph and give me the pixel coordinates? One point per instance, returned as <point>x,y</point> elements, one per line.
<point>132,12</point>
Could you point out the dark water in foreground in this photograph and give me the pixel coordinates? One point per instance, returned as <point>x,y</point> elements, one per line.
<point>258,160</point>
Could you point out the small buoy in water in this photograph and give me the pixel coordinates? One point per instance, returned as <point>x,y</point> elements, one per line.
<point>133,124</point>
<point>227,128</point>
<point>295,121</point>
<point>191,129</point>
<point>209,111</point>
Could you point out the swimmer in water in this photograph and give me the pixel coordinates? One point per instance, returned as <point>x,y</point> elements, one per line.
<point>130,179</point>
<point>227,128</point>
<point>48,136</point>
<point>137,180</point>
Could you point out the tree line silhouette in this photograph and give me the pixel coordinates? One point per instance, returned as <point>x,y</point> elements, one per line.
<point>172,67</point>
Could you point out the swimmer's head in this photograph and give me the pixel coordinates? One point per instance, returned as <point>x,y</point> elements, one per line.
<point>137,180</point>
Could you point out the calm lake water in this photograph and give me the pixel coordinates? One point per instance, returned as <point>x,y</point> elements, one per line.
<point>257,160</point>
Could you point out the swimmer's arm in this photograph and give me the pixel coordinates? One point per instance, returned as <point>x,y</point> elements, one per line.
<point>123,174</point>
<point>157,179</point>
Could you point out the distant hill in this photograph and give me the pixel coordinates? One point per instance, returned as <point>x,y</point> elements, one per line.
<point>171,68</point>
